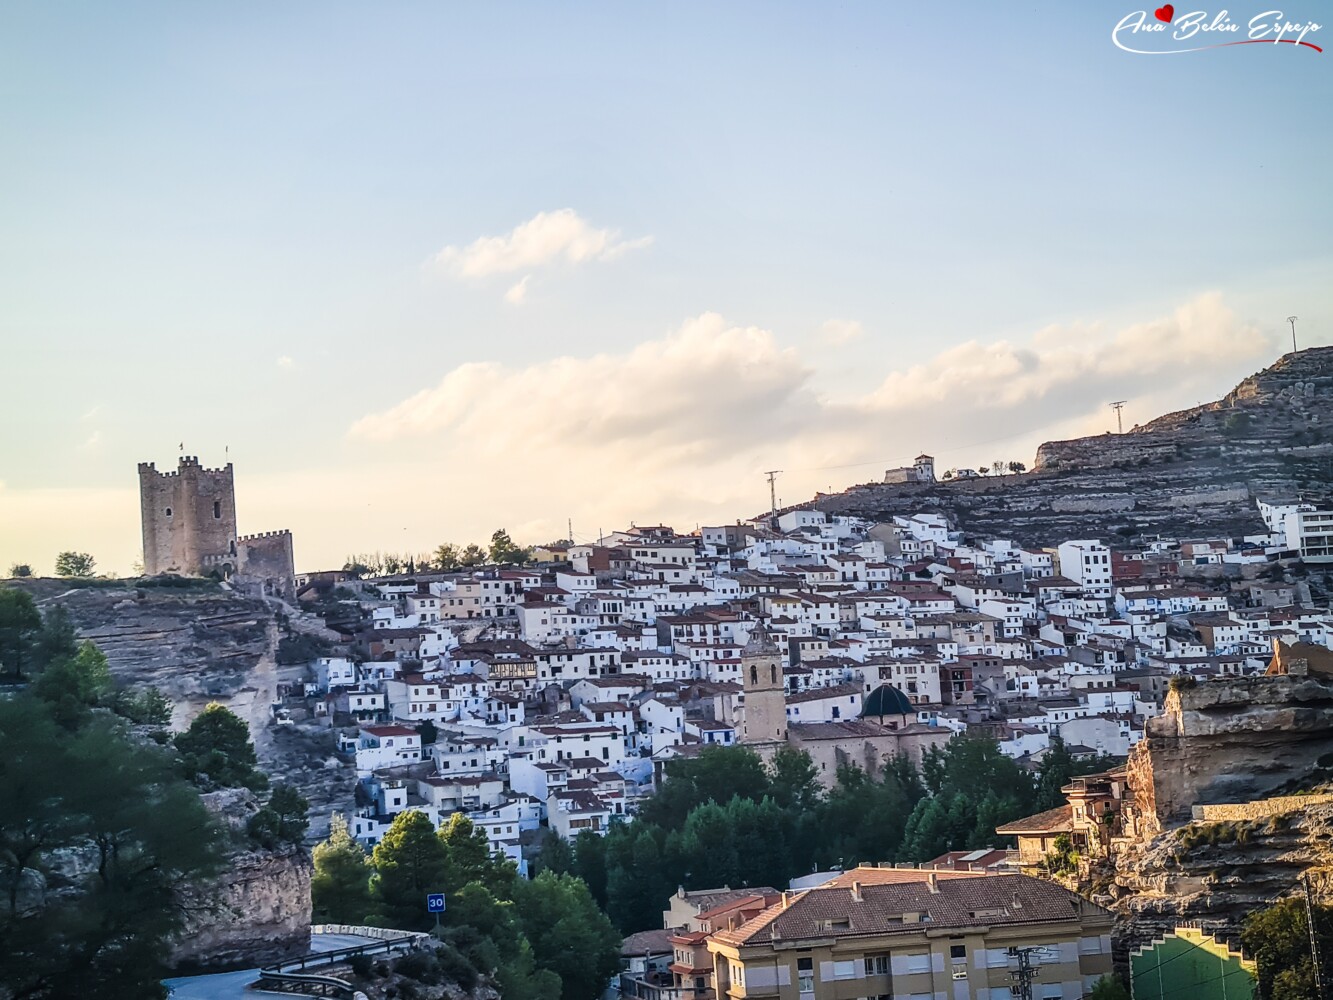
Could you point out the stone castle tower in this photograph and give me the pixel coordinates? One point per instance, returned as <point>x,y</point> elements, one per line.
<point>189,519</point>
<point>765,714</point>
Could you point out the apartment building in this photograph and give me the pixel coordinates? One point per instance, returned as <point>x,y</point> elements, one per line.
<point>915,935</point>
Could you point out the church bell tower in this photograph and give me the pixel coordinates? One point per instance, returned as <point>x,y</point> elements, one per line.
<point>765,715</point>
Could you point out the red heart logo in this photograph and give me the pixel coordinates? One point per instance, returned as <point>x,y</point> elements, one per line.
<point>1165,13</point>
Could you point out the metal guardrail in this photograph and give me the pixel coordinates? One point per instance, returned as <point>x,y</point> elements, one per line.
<point>291,977</point>
<point>307,985</point>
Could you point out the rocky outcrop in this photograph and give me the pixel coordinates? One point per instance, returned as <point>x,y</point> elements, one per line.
<point>1188,473</point>
<point>1231,740</point>
<point>256,913</point>
<point>258,910</point>
<point>1217,873</point>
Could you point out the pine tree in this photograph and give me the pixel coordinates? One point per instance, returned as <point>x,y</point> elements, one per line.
<point>340,887</point>
<point>410,863</point>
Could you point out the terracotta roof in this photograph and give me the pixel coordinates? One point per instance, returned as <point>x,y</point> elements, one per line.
<point>650,942</point>
<point>1051,821</point>
<point>956,899</point>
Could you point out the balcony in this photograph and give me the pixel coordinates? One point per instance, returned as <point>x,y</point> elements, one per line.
<point>660,986</point>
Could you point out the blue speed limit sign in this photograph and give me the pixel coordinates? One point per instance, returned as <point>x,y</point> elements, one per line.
<point>435,902</point>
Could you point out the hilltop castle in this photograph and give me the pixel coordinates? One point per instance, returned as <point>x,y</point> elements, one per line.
<point>189,528</point>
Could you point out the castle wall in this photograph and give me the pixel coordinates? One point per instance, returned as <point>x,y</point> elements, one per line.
<point>266,561</point>
<point>188,518</point>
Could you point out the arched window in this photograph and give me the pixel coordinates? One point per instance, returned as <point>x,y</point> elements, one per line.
<point>754,674</point>
<point>774,671</point>
<point>168,512</point>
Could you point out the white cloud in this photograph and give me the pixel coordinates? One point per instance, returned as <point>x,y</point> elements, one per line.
<point>840,331</point>
<point>546,238</point>
<point>681,427</point>
<point>94,439</point>
<point>518,292</point>
<point>285,362</point>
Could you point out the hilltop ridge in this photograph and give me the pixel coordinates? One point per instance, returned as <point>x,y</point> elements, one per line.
<point>1193,472</point>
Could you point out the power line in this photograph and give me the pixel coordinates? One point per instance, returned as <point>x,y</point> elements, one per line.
<point>1119,405</point>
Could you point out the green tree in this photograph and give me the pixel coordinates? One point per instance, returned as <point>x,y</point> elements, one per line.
<point>718,773</point>
<point>1108,988</point>
<point>470,859</point>
<point>792,778</point>
<point>472,555</point>
<point>282,821</point>
<point>410,862</point>
<point>570,936</point>
<point>20,570</point>
<point>557,855</point>
<point>590,861</point>
<point>446,557</point>
<point>216,749</point>
<point>96,794</point>
<point>74,684</point>
<point>428,732</point>
<point>503,551</point>
<point>57,638</point>
<point>340,885</point>
<point>1278,938</point>
<point>144,707</point>
<point>20,622</point>
<point>75,564</point>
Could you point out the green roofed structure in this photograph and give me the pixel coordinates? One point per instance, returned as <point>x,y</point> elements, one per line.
<point>1190,965</point>
<point>886,700</point>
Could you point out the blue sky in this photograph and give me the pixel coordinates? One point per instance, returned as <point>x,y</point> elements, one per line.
<point>222,225</point>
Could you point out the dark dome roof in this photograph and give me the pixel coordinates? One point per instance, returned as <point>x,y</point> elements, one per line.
<point>886,700</point>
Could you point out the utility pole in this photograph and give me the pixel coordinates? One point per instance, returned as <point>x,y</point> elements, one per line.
<point>772,488</point>
<point>1292,321</point>
<point>570,536</point>
<point>1024,974</point>
<point>1315,959</point>
<point>1119,405</point>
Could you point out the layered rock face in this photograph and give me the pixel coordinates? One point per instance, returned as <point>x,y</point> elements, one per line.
<point>1249,742</point>
<point>1188,473</point>
<point>1231,741</point>
<point>261,914</point>
<point>255,912</point>
<point>1217,873</point>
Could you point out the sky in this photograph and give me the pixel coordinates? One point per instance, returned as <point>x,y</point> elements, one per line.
<point>424,270</point>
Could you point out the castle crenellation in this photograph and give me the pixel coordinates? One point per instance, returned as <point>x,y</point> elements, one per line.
<point>189,528</point>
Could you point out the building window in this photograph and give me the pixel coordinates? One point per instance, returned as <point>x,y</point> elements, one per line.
<point>805,974</point>
<point>877,965</point>
<point>958,952</point>
<point>217,509</point>
<point>168,512</point>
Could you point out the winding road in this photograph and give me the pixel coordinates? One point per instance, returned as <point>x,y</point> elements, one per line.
<point>232,985</point>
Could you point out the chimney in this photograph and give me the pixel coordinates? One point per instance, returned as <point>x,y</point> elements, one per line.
<point>786,899</point>
<point>856,893</point>
<point>933,881</point>
<point>1017,903</point>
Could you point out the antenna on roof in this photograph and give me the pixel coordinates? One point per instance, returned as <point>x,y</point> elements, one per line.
<point>772,488</point>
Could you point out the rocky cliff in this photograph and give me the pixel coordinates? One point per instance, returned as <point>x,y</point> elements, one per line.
<point>1216,873</point>
<point>258,910</point>
<point>198,642</point>
<point>1231,740</point>
<point>1188,473</point>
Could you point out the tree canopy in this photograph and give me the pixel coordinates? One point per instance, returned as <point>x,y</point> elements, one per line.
<point>216,749</point>
<point>75,564</point>
<point>125,807</point>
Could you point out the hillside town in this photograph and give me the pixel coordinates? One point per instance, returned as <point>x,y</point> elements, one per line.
<point>552,694</point>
